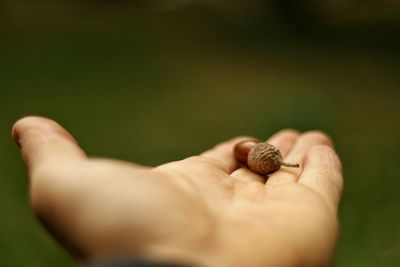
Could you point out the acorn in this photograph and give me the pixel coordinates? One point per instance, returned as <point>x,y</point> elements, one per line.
<point>242,149</point>
<point>262,158</point>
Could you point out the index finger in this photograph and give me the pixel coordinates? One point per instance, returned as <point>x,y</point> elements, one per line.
<point>222,154</point>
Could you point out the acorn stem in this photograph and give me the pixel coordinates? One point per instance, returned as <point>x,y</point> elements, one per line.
<point>293,165</point>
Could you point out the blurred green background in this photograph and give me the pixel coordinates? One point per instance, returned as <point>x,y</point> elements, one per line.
<point>155,81</point>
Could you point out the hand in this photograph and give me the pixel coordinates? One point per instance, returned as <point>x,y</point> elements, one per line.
<point>203,210</point>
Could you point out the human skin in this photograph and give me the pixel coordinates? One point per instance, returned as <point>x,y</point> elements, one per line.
<point>204,211</point>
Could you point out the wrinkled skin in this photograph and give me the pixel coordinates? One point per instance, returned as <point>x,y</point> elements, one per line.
<point>204,210</point>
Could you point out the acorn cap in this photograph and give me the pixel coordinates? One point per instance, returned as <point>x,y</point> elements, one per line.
<point>264,158</point>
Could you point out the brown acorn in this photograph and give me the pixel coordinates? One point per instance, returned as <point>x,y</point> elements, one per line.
<point>262,158</point>
<point>242,149</point>
<point>265,159</point>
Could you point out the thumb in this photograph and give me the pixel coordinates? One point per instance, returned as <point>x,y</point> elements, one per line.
<point>44,142</point>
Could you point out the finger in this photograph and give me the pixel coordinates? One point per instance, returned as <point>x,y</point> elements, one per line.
<point>323,173</point>
<point>45,142</point>
<point>222,154</point>
<point>244,175</point>
<point>253,191</point>
<point>283,140</point>
<point>296,155</point>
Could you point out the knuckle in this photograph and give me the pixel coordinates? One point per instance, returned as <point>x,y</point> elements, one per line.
<point>51,186</point>
<point>195,159</point>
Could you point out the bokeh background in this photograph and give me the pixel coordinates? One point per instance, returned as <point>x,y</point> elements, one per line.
<point>157,80</point>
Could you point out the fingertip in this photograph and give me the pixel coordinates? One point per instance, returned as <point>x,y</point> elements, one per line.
<point>323,173</point>
<point>284,140</point>
<point>22,125</point>
<point>324,158</point>
<point>316,136</point>
<point>43,140</point>
<point>37,125</point>
<point>288,133</point>
<point>241,138</point>
<point>324,155</point>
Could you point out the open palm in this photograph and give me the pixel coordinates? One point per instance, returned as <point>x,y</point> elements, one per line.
<point>202,211</point>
